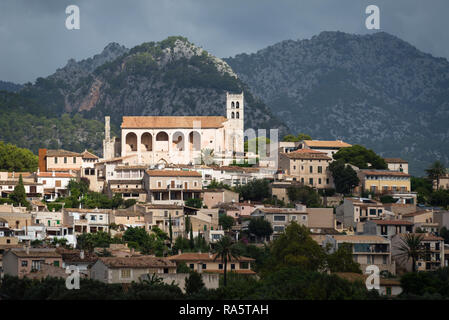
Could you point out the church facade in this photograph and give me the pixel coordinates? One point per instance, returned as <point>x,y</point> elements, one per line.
<point>180,140</point>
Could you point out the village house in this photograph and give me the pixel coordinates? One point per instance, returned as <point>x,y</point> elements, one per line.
<point>430,258</point>
<point>356,210</point>
<point>55,183</point>
<point>127,181</point>
<point>159,215</point>
<point>382,182</point>
<point>213,197</point>
<point>9,180</point>
<point>309,167</point>
<point>132,217</point>
<point>397,164</point>
<point>387,228</point>
<point>20,262</point>
<point>442,183</point>
<point>87,220</point>
<point>280,218</point>
<point>129,269</point>
<point>16,217</point>
<point>389,287</point>
<point>209,263</point>
<point>366,250</point>
<point>172,186</point>
<point>328,147</point>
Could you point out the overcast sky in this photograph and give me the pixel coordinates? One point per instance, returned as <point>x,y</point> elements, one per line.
<point>34,41</point>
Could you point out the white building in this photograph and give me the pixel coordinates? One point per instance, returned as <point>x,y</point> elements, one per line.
<point>180,139</point>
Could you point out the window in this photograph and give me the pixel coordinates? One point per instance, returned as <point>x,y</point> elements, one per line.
<point>244,265</point>
<point>58,183</point>
<point>165,270</point>
<point>125,273</point>
<point>44,181</point>
<point>388,289</point>
<point>278,228</point>
<point>232,266</point>
<point>279,218</point>
<point>65,159</point>
<point>311,181</point>
<point>372,212</point>
<point>56,159</point>
<point>320,169</point>
<point>24,263</point>
<point>319,180</point>
<point>204,266</point>
<point>101,217</point>
<point>384,259</point>
<point>294,167</point>
<point>220,266</point>
<point>74,159</point>
<point>327,181</point>
<point>56,263</point>
<point>93,218</point>
<point>311,169</point>
<point>191,266</point>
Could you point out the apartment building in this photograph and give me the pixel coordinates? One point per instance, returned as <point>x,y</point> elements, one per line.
<point>213,197</point>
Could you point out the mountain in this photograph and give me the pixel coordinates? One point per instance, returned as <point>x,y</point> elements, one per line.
<point>171,77</point>
<point>376,90</point>
<point>10,86</point>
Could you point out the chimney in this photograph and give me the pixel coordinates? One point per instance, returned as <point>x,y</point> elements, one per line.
<point>53,173</point>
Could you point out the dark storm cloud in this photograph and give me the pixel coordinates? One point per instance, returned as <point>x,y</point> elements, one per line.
<point>35,42</point>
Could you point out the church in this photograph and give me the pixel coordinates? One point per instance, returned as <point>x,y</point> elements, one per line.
<point>180,140</point>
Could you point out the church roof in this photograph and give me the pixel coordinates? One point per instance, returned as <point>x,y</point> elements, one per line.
<point>172,122</point>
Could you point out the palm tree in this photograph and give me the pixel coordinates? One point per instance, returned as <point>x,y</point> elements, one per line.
<point>436,171</point>
<point>226,251</point>
<point>411,247</point>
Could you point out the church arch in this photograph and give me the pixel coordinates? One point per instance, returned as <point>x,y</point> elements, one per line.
<point>178,141</point>
<point>232,115</point>
<point>162,141</point>
<point>194,141</point>
<point>146,142</point>
<point>131,142</point>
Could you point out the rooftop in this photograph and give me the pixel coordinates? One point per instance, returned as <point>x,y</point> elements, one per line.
<point>173,173</point>
<point>386,173</point>
<point>395,160</point>
<point>307,154</point>
<point>191,256</point>
<point>62,153</point>
<point>137,262</point>
<point>360,239</point>
<point>167,122</point>
<point>326,144</point>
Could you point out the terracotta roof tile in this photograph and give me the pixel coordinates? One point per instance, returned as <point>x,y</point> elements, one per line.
<point>386,173</point>
<point>173,173</point>
<point>326,143</point>
<point>393,222</point>
<point>394,160</point>
<point>137,262</point>
<point>192,256</point>
<point>307,154</point>
<point>166,122</point>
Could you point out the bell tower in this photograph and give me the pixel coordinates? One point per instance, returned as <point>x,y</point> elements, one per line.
<point>235,115</point>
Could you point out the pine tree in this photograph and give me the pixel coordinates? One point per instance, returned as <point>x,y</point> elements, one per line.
<point>192,242</point>
<point>18,196</point>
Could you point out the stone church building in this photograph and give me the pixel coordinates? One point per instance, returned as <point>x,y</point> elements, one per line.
<point>180,140</point>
